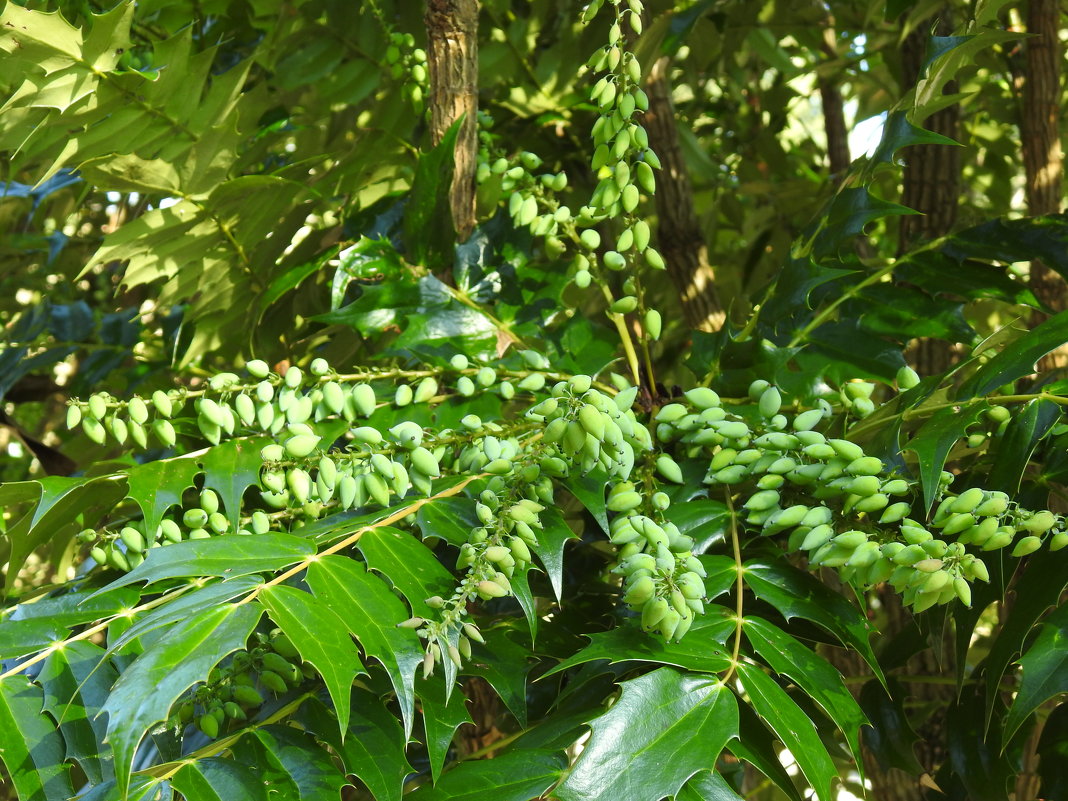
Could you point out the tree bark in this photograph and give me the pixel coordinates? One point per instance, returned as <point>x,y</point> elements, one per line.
<point>1041,143</point>
<point>931,186</point>
<point>679,236</point>
<point>452,61</point>
<point>833,111</point>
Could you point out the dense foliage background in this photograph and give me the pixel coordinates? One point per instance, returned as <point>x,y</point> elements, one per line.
<point>462,400</point>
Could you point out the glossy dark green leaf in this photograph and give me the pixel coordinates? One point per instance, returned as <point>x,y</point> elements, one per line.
<point>665,727</point>
<point>1037,590</point>
<point>852,348</point>
<point>1015,239</point>
<point>1018,358</point>
<point>504,663</point>
<point>550,548</point>
<point>145,691</point>
<point>450,519</point>
<point>76,685</point>
<point>798,594</point>
<point>408,564</point>
<point>849,211</point>
<point>21,637</point>
<point>1013,449</point>
<point>158,485</point>
<point>1045,670</point>
<point>428,227</point>
<point>813,674</point>
<point>226,556</point>
<point>1053,754</point>
<point>706,520</point>
<point>374,748</point>
<point>974,746</point>
<point>722,574</point>
<point>701,650</point>
<point>216,779</point>
<point>32,749</point>
<point>371,612</point>
<point>76,607</point>
<point>756,745</point>
<point>441,719</point>
<point>309,767</point>
<point>890,736</point>
<point>792,726</point>
<point>516,776</point>
<point>190,603</point>
<point>142,788</point>
<point>707,787</point>
<point>60,500</point>
<point>933,442</point>
<point>944,58</point>
<point>520,582</point>
<point>321,637</point>
<point>589,489</point>
<point>899,132</point>
<point>230,468</point>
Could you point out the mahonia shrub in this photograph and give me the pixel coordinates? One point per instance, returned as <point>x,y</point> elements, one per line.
<point>287,576</point>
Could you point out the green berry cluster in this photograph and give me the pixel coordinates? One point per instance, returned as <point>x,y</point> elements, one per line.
<point>235,691</point>
<point>407,61</point>
<point>843,507</point>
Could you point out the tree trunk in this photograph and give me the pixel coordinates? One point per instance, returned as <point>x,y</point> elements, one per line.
<point>452,59</point>
<point>833,111</point>
<point>931,186</point>
<point>1040,139</point>
<point>679,237</point>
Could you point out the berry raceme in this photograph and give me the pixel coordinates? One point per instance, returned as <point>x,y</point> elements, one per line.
<point>233,692</point>
<point>825,495</point>
<point>843,507</point>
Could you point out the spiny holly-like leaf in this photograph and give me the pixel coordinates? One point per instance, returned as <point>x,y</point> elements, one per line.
<point>32,749</point>
<point>1017,443</point>
<point>813,674</point>
<point>706,520</point>
<point>589,489</point>
<point>21,637</point>
<point>1045,670</point>
<point>374,750</point>
<point>59,502</point>
<point>450,519</point>
<point>1018,358</point>
<point>974,746</point>
<point>321,637</point>
<point>76,607</point>
<point>371,612</point>
<point>707,787</point>
<point>408,564</point>
<point>216,779</point>
<point>1053,754</point>
<point>944,58</point>
<point>756,745</point>
<point>428,229</point>
<point>308,766</point>
<point>230,468</point>
<point>229,557</point>
<point>504,663</point>
<point>665,727</point>
<point>1037,590</point>
<point>933,442</point>
<point>441,719</point>
<point>898,132</point>
<point>890,736</point>
<point>550,548</point>
<point>515,776</point>
<point>76,685</point>
<point>156,486</point>
<point>700,650</point>
<point>792,726</point>
<point>798,594</point>
<point>193,602</point>
<point>145,691</point>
